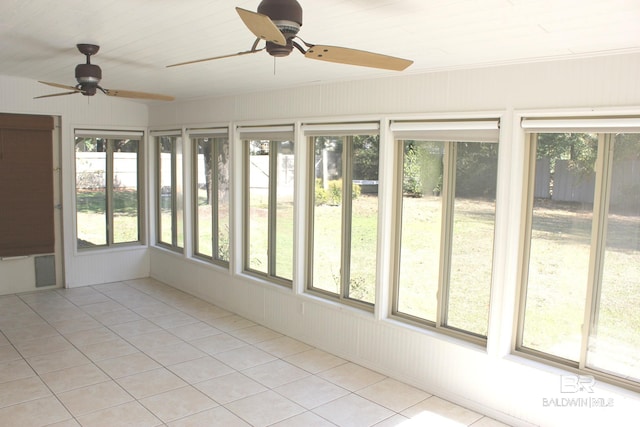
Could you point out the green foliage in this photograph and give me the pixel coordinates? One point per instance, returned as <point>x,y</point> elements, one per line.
<point>332,196</point>
<point>366,156</point>
<point>580,149</point>
<point>412,179</point>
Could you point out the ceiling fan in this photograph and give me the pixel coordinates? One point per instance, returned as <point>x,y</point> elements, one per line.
<point>88,76</point>
<point>278,22</point>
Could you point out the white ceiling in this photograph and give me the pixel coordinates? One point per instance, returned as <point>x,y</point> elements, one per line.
<point>138,38</point>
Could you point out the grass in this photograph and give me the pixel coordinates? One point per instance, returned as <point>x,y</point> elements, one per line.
<point>558,267</point>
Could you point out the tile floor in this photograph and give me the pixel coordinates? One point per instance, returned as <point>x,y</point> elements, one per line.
<point>140,353</point>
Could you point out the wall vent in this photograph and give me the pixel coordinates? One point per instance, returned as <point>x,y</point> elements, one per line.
<point>45,270</point>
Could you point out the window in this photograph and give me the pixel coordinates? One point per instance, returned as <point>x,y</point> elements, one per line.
<point>580,289</point>
<point>269,188</point>
<point>446,187</point>
<point>170,230</point>
<point>108,187</point>
<point>344,211</point>
<point>211,194</point>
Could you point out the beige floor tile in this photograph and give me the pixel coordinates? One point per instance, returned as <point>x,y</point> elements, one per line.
<point>311,392</point>
<point>102,308</point>
<point>283,346</point>
<point>93,398</point>
<point>255,334</point>
<point>351,376</point>
<point>306,419</point>
<point>66,326</point>
<point>44,345</point>
<point>488,422</point>
<point>265,408</point>
<point>202,369</point>
<point>128,414</point>
<point>315,360</point>
<point>22,390</point>
<point>435,408</point>
<point>22,335</point>
<point>89,298</point>
<point>26,319</point>
<point>230,323</point>
<point>275,373</point>
<point>8,353</point>
<point>126,365</point>
<point>178,403</point>
<point>56,361</point>
<point>150,383</point>
<point>116,317</point>
<point>218,343</point>
<point>137,327</point>
<point>393,394</point>
<point>35,413</point>
<point>75,377</point>
<point>194,331</point>
<point>213,417</point>
<point>353,410</point>
<point>108,350</point>
<point>244,357</point>
<point>396,421</point>
<point>229,388</point>
<point>173,320</point>
<point>91,336</point>
<point>154,339</point>
<point>175,353</point>
<point>15,370</point>
<point>154,309</point>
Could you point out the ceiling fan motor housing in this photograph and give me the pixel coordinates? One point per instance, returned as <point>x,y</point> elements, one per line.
<point>88,74</point>
<point>287,16</point>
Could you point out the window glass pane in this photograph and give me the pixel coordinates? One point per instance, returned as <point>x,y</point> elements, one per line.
<point>125,190</point>
<point>421,228</point>
<point>615,340</point>
<point>203,194</point>
<point>91,191</point>
<point>166,201</point>
<point>472,241</point>
<point>364,218</point>
<point>258,206</point>
<point>284,210</point>
<point>560,243</point>
<point>327,214</point>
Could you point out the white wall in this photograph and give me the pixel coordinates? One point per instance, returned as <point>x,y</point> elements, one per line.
<point>490,380</point>
<point>100,112</point>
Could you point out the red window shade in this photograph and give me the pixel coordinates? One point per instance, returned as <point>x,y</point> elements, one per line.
<point>26,185</point>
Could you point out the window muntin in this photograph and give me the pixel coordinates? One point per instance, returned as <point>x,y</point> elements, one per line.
<point>593,168</point>
<point>345,222</point>
<point>211,197</point>
<point>108,169</point>
<point>447,189</point>
<point>170,212</point>
<point>269,164</point>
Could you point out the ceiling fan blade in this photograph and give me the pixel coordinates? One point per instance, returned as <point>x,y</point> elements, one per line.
<point>55,94</point>
<point>217,57</point>
<point>262,26</point>
<point>60,86</point>
<point>343,55</point>
<point>137,95</point>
